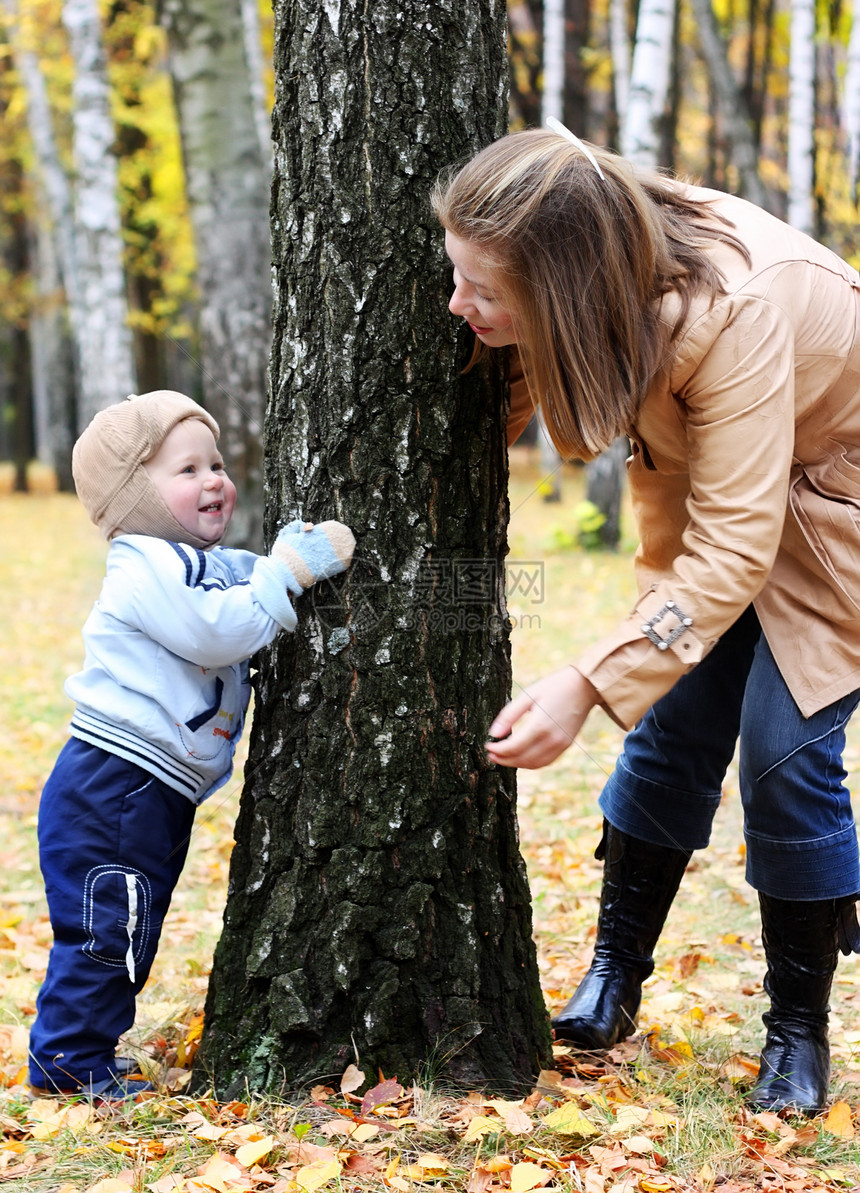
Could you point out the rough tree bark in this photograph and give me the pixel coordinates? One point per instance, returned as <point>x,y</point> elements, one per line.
<point>378,902</point>
<point>228,194</point>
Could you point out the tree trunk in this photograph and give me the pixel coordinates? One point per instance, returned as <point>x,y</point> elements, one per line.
<point>56,363</point>
<point>801,117</point>
<point>378,901</point>
<point>649,82</point>
<point>619,41</point>
<point>51,353</point>
<point>104,337</point>
<point>851,106</point>
<point>604,488</point>
<point>735,118</point>
<point>228,196</point>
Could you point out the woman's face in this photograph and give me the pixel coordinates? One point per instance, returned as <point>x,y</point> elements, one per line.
<point>474,299</point>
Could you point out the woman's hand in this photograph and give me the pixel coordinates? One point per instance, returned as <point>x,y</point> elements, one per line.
<point>557,707</point>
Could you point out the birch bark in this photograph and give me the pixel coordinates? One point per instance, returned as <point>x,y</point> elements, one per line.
<point>106,351</point>
<point>851,106</point>
<point>650,75</point>
<point>228,194</point>
<point>801,117</point>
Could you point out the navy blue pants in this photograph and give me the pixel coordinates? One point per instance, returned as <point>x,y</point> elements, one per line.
<point>798,823</point>
<point>112,844</point>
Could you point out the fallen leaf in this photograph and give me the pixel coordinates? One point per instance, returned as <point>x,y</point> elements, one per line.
<point>314,1176</point>
<point>111,1184</point>
<point>569,1120</point>
<point>499,1163</point>
<point>482,1125</point>
<point>351,1080</point>
<point>640,1145</point>
<point>838,1121</point>
<point>628,1118</point>
<point>252,1153</point>
<point>525,1176</point>
<point>382,1094</point>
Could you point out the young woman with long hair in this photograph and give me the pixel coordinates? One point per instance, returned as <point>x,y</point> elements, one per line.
<point>726,346</point>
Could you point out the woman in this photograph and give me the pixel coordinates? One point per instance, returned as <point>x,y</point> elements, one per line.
<point>726,345</point>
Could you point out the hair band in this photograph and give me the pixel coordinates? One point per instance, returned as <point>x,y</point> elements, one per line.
<point>558,127</point>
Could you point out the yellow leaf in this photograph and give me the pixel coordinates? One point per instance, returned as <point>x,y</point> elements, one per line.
<point>707,1176</point>
<point>527,1176</point>
<point>210,1133</point>
<point>838,1121</point>
<point>655,1184</point>
<point>628,1118</point>
<point>432,1162</point>
<point>252,1153</point>
<point>362,1132</point>
<point>569,1120</point>
<point>220,1172</point>
<point>497,1164</point>
<point>480,1126</point>
<point>110,1184</point>
<point>314,1176</point>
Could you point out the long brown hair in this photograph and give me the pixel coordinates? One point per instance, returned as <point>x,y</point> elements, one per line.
<point>583,259</point>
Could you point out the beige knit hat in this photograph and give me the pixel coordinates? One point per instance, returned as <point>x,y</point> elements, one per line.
<point>108,465</point>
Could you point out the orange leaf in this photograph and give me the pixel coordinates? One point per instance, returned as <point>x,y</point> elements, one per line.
<point>838,1121</point>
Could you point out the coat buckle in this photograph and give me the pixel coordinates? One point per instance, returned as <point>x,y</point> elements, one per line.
<point>683,623</point>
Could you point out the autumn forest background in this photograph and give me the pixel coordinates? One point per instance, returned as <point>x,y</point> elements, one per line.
<point>136,161</point>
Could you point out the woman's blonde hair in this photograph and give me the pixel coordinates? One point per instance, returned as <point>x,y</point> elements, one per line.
<point>583,259</point>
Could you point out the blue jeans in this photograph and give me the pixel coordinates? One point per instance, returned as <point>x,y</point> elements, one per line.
<point>798,823</point>
<point>112,842</point>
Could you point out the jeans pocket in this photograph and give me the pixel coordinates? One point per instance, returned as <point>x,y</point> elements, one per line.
<point>117,903</point>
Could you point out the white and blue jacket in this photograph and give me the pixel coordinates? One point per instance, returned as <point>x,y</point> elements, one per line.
<point>165,682</point>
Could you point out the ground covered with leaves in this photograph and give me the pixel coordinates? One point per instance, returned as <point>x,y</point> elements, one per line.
<point>663,1111</point>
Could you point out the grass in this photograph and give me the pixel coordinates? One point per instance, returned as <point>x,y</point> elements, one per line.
<point>702,1006</point>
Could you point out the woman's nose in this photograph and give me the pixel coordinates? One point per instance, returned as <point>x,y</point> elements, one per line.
<point>458,304</point>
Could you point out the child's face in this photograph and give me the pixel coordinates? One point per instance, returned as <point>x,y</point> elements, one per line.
<point>474,298</point>
<point>189,474</point>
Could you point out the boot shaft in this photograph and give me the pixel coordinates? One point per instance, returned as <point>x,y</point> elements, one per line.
<point>640,881</point>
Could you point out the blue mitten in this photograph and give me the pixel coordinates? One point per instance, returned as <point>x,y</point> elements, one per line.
<point>313,552</point>
<point>303,553</point>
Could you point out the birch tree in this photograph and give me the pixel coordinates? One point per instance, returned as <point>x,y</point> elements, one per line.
<point>228,193</point>
<point>801,117</point>
<point>378,902</point>
<point>851,106</point>
<point>619,47</point>
<point>55,313</point>
<point>552,105</point>
<point>650,75</point>
<point>104,339</point>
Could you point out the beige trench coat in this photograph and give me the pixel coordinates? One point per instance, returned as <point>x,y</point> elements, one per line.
<point>745,477</point>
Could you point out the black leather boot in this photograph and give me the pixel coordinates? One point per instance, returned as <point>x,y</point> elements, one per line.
<point>640,881</point>
<point>801,943</point>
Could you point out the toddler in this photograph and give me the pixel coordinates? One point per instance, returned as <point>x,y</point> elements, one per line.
<point>160,705</point>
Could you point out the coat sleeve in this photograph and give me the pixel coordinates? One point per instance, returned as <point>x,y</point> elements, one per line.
<point>733,375</point>
<point>202,614</point>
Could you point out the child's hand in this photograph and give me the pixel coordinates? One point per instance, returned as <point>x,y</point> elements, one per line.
<point>314,552</point>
